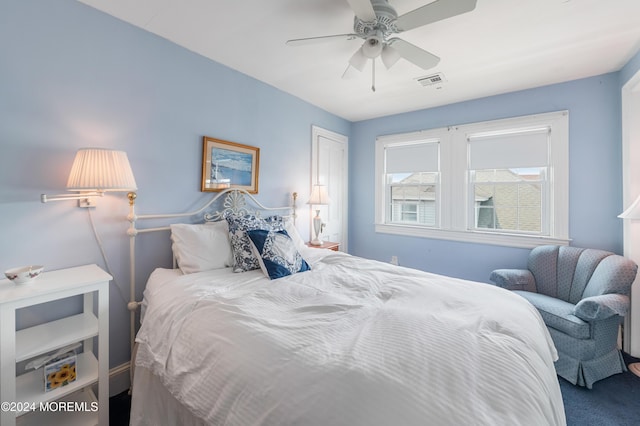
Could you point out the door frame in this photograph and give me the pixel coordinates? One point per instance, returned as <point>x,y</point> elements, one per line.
<point>316,133</point>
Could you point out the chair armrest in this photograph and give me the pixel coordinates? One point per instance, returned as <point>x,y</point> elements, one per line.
<point>514,279</point>
<point>602,307</point>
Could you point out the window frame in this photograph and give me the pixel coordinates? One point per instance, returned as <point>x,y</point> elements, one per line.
<point>455,210</point>
<point>382,194</point>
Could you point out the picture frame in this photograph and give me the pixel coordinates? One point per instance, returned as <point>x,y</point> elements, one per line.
<point>229,165</point>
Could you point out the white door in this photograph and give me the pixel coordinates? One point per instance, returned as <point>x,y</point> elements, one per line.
<point>329,167</point>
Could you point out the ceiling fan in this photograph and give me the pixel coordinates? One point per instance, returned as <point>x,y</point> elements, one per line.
<point>376,21</point>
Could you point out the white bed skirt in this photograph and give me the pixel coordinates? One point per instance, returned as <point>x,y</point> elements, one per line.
<point>153,405</point>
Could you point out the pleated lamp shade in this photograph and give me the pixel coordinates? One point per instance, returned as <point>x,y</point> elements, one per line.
<point>97,169</point>
<point>319,195</point>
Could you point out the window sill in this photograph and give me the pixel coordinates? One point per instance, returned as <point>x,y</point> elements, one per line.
<point>508,240</point>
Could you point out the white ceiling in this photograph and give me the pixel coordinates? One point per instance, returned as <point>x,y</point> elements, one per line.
<point>501,46</point>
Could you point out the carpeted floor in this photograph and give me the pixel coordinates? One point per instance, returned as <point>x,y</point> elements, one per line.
<point>614,401</point>
<point>119,406</point>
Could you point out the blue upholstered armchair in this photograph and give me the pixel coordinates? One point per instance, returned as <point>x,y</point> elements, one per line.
<point>582,296</point>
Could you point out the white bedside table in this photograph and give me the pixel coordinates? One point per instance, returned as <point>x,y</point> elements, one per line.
<point>27,390</point>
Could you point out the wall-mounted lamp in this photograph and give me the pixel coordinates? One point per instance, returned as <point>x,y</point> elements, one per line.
<point>319,197</point>
<point>95,171</point>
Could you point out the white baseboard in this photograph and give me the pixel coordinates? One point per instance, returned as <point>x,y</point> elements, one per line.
<point>119,379</point>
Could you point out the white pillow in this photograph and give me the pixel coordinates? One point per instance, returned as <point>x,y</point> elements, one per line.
<point>201,247</point>
<point>294,234</point>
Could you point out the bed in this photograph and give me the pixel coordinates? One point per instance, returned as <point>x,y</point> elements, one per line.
<point>344,341</point>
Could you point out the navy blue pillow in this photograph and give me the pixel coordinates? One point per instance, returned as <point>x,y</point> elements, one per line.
<point>277,254</point>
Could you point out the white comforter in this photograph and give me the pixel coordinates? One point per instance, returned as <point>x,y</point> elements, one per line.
<point>351,342</point>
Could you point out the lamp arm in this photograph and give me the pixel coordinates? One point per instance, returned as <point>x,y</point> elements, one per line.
<point>44,198</point>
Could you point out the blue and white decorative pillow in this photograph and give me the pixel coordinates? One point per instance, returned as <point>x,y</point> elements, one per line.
<point>243,256</point>
<point>278,256</point>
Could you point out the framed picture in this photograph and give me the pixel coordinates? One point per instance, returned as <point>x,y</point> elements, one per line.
<point>229,165</point>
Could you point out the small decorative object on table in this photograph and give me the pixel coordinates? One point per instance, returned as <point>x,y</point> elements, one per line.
<point>24,274</point>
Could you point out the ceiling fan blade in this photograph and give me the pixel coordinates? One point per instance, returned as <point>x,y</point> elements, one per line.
<point>321,39</point>
<point>350,73</point>
<point>389,56</point>
<point>358,60</point>
<point>414,54</point>
<point>433,12</point>
<point>363,9</point>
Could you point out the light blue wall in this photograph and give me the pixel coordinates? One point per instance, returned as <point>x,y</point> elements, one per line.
<point>595,176</point>
<point>72,77</point>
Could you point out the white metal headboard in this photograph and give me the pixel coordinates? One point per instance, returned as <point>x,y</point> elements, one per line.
<point>233,201</point>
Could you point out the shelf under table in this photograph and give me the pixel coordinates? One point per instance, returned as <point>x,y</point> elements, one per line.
<point>30,386</point>
<point>84,417</point>
<point>43,338</point>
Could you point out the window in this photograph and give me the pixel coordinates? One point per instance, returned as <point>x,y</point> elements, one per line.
<point>508,180</point>
<point>413,198</point>
<point>498,182</point>
<point>408,213</point>
<point>411,181</point>
<point>509,200</point>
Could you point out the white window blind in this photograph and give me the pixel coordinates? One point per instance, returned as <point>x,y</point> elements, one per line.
<point>520,164</point>
<point>508,150</point>
<point>412,157</point>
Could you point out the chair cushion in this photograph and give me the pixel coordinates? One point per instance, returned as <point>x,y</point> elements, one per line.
<point>614,274</point>
<point>590,261</point>
<point>558,314</point>
<point>602,307</point>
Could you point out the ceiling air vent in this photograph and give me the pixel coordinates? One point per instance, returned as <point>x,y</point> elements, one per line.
<point>431,80</point>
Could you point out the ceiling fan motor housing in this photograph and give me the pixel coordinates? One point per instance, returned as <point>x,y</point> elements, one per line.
<point>382,26</point>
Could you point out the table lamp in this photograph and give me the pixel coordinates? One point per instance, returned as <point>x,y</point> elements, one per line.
<point>319,197</point>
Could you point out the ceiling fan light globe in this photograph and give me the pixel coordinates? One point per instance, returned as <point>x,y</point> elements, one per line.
<point>372,47</point>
